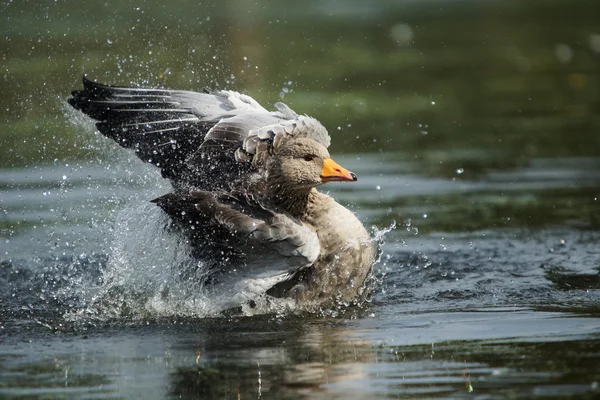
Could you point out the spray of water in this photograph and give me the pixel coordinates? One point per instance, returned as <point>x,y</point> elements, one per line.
<point>152,273</point>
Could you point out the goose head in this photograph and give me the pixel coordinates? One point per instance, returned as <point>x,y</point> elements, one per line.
<point>301,164</point>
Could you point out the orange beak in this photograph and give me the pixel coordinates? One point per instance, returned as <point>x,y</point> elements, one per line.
<point>332,172</point>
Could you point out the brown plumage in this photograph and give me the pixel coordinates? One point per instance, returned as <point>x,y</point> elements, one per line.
<point>245,189</point>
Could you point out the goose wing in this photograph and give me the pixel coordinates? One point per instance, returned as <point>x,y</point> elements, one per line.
<point>207,140</point>
<point>251,247</point>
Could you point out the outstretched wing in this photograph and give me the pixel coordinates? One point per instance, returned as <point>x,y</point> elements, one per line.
<point>165,127</point>
<point>265,247</point>
<point>204,140</point>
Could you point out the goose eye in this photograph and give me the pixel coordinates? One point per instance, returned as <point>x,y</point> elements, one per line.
<point>308,157</point>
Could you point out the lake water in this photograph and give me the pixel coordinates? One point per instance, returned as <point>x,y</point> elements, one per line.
<point>472,125</point>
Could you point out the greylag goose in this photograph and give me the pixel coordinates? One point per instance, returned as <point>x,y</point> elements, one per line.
<point>245,194</point>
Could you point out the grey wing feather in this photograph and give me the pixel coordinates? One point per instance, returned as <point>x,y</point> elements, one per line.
<point>241,101</point>
<point>303,126</point>
<point>255,248</point>
<point>172,128</point>
<point>285,111</point>
<point>245,223</point>
<point>261,140</point>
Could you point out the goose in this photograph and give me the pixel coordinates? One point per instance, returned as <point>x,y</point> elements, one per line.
<point>245,192</point>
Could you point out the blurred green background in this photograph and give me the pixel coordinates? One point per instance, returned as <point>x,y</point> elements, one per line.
<point>513,79</point>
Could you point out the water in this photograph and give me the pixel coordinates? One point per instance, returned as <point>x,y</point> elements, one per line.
<point>508,311</point>
<point>476,142</point>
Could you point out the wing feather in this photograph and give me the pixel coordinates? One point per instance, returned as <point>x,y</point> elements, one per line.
<point>194,137</point>
<point>257,249</point>
<point>243,221</point>
<point>264,139</point>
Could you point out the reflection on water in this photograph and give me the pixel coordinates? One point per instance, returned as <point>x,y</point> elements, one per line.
<point>393,356</point>
<point>472,124</point>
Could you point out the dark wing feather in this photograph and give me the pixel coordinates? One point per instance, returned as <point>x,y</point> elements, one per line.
<point>265,247</point>
<point>209,141</point>
<point>159,124</point>
<point>167,127</point>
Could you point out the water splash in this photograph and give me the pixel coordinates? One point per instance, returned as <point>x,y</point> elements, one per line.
<point>378,272</point>
<point>152,273</point>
